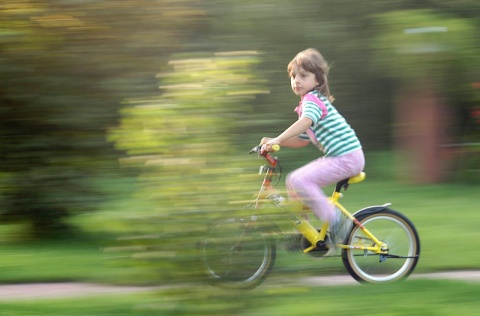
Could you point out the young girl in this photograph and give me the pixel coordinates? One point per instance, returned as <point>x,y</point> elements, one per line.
<point>320,123</point>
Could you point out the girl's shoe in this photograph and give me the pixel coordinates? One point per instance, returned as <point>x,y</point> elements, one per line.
<point>339,231</point>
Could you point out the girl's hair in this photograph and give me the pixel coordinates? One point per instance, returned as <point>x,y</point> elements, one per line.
<point>312,61</point>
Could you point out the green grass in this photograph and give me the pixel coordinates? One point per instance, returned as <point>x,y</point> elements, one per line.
<point>49,261</point>
<point>90,305</point>
<point>446,216</point>
<point>414,297</point>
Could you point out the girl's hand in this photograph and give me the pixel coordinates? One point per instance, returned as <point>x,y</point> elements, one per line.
<point>264,140</point>
<point>267,144</point>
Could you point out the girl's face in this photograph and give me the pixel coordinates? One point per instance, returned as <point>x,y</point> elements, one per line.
<point>302,81</point>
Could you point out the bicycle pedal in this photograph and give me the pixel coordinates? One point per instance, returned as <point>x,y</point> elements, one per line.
<point>321,246</point>
<point>318,251</point>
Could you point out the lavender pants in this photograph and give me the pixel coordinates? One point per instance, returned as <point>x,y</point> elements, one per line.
<point>305,183</point>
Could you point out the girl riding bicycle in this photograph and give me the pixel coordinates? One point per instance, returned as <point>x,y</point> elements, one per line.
<point>320,123</point>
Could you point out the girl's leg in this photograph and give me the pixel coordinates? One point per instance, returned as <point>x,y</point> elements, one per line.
<point>307,181</point>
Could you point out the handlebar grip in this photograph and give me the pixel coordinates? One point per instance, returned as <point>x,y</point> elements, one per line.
<point>276,147</point>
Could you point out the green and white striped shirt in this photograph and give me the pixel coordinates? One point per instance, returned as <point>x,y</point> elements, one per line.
<point>333,133</point>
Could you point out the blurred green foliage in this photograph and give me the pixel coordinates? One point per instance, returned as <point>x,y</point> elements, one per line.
<point>419,44</point>
<point>73,71</point>
<point>182,142</point>
<point>65,67</point>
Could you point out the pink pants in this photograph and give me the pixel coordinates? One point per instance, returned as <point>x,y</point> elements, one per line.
<point>305,183</point>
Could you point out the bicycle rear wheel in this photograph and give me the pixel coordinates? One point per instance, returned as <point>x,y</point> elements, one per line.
<point>237,254</point>
<point>397,232</point>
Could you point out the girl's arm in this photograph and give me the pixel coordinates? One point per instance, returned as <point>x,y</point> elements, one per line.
<point>289,137</point>
<point>295,142</point>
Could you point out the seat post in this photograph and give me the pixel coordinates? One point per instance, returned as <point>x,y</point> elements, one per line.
<point>342,184</point>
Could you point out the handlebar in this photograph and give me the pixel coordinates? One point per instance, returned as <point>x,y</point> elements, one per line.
<point>272,161</point>
<point>258,150</point>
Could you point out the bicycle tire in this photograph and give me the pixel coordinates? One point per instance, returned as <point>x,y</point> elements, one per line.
<point>392,228</point>
<point>236,253</point>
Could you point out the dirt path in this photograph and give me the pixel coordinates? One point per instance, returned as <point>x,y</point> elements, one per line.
<point>470,276</point>
<point>62,290</point>
<point>72,289</point>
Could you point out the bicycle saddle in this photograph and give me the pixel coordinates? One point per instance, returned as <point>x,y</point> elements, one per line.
<point>355,179</point>
<point>358,178</point>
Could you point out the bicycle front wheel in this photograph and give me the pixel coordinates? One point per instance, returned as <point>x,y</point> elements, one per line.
<point>236,253</point>
<point>399,235</point>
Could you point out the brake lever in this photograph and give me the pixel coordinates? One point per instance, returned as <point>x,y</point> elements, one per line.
<point>255,150</point>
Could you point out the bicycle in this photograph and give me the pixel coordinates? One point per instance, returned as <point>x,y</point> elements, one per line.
<point>240,251</point>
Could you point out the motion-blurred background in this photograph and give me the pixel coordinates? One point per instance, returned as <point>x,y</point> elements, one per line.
<point>131,116</point>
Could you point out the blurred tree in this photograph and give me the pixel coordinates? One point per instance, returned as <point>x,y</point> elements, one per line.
<point>184,143</point>
<point>184,140</point>
<point>430,55</point>
<point>65,66</point>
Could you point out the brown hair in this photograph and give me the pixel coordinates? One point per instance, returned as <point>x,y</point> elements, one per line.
<point>312,61</point>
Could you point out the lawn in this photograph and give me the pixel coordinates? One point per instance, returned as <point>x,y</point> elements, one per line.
<point>413,297</point>
<point>446,217</point>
